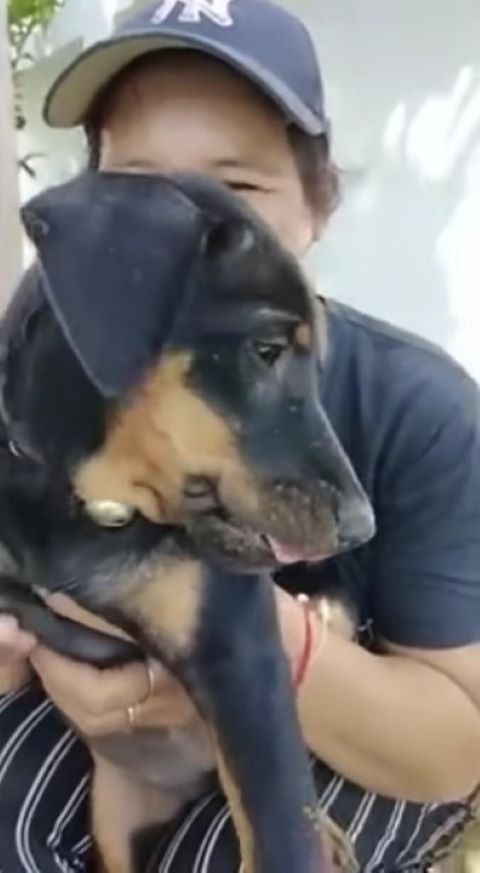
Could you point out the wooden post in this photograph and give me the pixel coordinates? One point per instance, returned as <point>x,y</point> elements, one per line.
<point>10,228</point>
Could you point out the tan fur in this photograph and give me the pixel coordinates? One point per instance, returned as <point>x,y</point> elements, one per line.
<point>166,599</point>
<point>120,807</point>
<point>162,434</point>
<point>243,827</point>
<point>303,336</point>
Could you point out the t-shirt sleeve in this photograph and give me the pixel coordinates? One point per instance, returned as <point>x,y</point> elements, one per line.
<point>426,555</point>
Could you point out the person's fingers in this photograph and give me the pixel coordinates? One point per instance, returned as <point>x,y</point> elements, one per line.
<point>98,701</point>
<point>14,676</point>
<point>150,714</point>
<point>15,644</point>
<point>173,710</point>
<point>15,647</point>
<point>97,692</point>
<point>170,709</point>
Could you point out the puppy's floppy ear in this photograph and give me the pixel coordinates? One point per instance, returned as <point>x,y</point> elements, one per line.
<point>116,252</point>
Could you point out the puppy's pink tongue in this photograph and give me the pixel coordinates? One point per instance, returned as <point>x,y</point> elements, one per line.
<point>285,554</point>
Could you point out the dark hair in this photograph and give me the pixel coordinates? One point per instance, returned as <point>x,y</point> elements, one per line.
<point>318,173</point>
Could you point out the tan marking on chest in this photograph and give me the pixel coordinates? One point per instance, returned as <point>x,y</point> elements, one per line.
<point>243,827</point>
<point>166,601</point>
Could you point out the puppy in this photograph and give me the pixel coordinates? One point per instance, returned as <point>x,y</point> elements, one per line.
<point>166,450</point>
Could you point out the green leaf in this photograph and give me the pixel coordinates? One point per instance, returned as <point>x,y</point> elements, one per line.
<point>25,17</point>
<point>29,14</point>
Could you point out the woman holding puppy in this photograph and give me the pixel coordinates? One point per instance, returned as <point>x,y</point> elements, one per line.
<point>232,89</point>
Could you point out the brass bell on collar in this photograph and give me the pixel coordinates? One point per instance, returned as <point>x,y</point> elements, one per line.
<point>109,513</point>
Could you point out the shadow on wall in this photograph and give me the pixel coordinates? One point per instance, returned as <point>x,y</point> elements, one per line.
<point>403,82</point>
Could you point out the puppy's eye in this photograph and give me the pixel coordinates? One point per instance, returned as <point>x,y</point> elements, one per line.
<point>269,351</point>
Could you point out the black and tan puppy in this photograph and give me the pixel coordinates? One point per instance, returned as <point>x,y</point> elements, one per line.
<point>167,448</point>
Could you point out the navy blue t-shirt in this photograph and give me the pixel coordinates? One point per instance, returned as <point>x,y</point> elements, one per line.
<point>408,417</point>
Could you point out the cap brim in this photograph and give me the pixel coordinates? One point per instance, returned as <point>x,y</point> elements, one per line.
<point>73,93</point>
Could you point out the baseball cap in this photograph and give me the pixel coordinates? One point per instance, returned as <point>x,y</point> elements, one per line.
<point>261,40</point>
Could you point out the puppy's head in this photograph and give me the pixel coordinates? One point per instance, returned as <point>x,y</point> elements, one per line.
<point>172,370</point>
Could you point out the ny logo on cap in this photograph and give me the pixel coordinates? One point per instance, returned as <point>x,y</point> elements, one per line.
<point>217,11</point>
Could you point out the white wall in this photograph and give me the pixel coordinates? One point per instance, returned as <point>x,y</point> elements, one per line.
<point>403,80</point>
<point>404,87</point>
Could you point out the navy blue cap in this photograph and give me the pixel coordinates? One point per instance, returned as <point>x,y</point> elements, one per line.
<point>261,40</point>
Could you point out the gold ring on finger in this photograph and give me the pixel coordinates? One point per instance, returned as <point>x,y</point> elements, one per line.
<point>151,679</point>
<point>132,713</point>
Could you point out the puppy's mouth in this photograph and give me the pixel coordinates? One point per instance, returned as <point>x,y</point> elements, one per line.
<point>223,536</point>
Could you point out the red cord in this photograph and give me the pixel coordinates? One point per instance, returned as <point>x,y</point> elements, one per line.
<point>307,651</point>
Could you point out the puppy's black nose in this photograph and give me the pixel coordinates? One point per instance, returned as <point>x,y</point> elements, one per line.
<point>356,522</point>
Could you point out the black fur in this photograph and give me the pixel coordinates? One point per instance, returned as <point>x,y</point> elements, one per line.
<point>241,290</point>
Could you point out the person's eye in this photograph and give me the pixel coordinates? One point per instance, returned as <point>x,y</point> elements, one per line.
<point>246,187</point>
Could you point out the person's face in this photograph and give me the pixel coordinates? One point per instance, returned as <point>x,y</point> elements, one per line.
<point>192,113</point>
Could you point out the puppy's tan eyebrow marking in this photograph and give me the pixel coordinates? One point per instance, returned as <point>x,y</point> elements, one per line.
<point>303,336</point>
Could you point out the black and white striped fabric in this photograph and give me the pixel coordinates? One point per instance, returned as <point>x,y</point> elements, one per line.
<point>44,786</point>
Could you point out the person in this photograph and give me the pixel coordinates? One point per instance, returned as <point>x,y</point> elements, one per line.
<point>232,89</point>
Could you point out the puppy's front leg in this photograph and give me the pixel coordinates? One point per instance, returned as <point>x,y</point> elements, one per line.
<point>218,632</point>
<point>242,681</point>
<point>121,808</point>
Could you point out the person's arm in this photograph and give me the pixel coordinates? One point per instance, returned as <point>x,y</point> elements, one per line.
<point>397,724</point>
<point>406,723</point>
<point>393,724</point>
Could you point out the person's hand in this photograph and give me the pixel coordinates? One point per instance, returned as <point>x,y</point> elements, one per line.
<point>15,648</point>
<point>98,700</point>
<point>101,702</point>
